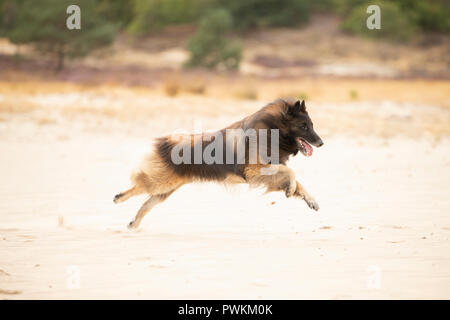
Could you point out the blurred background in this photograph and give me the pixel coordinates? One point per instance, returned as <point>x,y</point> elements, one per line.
<point>193,55</point>
<point>190,56</point>
<point>79,107</point>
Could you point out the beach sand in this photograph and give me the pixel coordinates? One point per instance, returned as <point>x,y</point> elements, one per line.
<point>382,230</point>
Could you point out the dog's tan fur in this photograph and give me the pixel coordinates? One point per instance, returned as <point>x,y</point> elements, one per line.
<point>159,180</point>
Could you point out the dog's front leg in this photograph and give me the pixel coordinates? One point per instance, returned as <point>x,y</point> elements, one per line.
<point>302,193</point>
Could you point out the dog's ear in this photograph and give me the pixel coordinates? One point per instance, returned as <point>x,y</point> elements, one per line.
<point>297,107</point>
<point>294,109</point>
<point>302,106</point>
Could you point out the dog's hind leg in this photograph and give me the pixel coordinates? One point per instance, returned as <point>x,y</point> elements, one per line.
<point>302,193</point>
<point>123,196</point>
<point>147,206</point>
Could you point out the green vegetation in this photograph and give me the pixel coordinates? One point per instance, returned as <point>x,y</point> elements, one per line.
<point>8,14</point>
<point>153,15</point>
<point>400,18</point>
<point>303,96</point>
<point>116,11</point>
<point>43,25</point>
<point>429,15</point>
<point>354,94</point>
<point>247,93</point>
<point>264,13</point>
<point>395,23</point>
<point>210,47</point>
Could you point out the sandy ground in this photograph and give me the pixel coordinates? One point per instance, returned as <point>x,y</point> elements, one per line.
<point>382,231</point>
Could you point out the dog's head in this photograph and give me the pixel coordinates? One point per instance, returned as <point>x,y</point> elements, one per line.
<point>301,127</point>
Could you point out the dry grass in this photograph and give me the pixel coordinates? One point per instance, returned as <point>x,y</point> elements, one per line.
<point>326,89</point>
<point>16,105</point>
<point>195,85</point>
<point>353,94</point>
<point>40,87</point>
<point>44,121</point>
<point>299,95</point>
<point>108,112</point>
<point>246,93</point>
<point>331,103</point>
<point>172,86</point>
<point>337,90</point>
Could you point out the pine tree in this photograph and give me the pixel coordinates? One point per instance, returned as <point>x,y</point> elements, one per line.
<point>43,24</point>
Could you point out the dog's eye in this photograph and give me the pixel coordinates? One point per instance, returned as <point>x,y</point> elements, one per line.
<point>304,127</point>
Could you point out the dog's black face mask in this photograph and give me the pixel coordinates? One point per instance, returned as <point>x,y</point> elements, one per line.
<point>301,127</point>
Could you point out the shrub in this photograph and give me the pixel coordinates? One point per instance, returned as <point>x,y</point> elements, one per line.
<point>303,96</point>
<point>323,5</point>
<point>210,47</point>
<point>430,15</point>
<point>345,7</point>
<point>153,15</point>
<point>262,13</point>
<point>353,94</point>
<point>171,86</point>
<point>395,23</point>
<point>195,85</point>
<point>8,16</point>
<point>116,11</point>
<point>248,93</point>
<point>44,27</point>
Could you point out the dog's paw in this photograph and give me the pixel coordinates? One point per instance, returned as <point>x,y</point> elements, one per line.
<point>132,225</point>
<point>117,198</point>
<point>312,203</point>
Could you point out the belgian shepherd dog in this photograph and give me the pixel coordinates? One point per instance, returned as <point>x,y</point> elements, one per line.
<point>252,157</point>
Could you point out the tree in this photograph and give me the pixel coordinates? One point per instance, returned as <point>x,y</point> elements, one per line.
<point>8,15</point>
<point>396,25</point>
<point>210,47</point>
<point>117,11</point>
<point>43,25</point>
<point>249,14</point>
<point>154,15</point>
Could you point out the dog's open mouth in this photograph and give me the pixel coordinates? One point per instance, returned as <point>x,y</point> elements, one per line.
<point>305,147</point>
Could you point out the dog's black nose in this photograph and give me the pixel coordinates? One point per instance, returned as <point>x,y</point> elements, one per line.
<point>319,144</point>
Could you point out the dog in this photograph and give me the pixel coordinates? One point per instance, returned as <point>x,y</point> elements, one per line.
<point>176,160</point>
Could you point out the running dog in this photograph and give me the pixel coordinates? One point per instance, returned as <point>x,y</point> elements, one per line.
<point>261,144</point>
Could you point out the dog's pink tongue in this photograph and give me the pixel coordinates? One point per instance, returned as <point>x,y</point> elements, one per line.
<point>309,149</point>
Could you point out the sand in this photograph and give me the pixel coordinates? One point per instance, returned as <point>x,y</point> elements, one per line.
<point>382,230</point>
